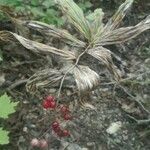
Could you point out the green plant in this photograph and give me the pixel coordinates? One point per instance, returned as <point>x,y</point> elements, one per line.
<point>42,10</point>
<point>94,35</point>
<point>85,5</point>
<point>6,108</point>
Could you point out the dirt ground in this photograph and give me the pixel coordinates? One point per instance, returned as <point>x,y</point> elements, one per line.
<point>117,122</point>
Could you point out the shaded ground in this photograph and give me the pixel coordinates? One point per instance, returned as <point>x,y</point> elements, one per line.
<point>89,128</point>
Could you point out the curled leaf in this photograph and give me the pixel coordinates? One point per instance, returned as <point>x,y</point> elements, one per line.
<point>44,78</point>
<point>86,79</point>
<point>104,55</point>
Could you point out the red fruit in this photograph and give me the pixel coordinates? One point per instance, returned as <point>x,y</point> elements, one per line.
<point>66,133</point>
<point>52,104</point>
<point>43,143</point>
<point>55,125</point>
<point>46,104</point>
<point>35,142</point>
<point>50,98</point>
<point>49,104</point>
<point>57,130</point>
<point>64,109</point>
<point>67,117</point>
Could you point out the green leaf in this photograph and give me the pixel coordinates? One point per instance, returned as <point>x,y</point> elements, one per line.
<point>85,5</point>
<point>10,2</point>
<point>35,2</point>
<point>37,12</point>
<point>75,15</point>
<point>51,12</point>
<point>48,3</point>
<point>4,138</point>
<point>6,106</point>
<point>95,20</point>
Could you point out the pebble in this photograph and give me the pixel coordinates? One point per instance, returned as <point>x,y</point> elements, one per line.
<point>25,129</point>
<point>114,127</point>
<point>52,90</point>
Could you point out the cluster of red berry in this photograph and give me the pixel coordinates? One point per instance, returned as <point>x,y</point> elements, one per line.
<point>59,132</point>
<point>64,112</point>
<point>50,103</point>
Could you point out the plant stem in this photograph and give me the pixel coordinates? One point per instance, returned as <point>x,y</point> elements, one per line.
<point>71,68</point>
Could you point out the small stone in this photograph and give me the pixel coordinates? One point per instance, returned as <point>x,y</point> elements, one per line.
<point>114,127</point>
<point>52,90</point>
<point>25,129</point>
<point>90,144</point>
<point>84,148</point>
<point>68,92</point>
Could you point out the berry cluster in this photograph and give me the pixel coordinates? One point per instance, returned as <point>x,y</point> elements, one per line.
<point>50,103</point>
<point>63,113</point>
<point>59,132</point>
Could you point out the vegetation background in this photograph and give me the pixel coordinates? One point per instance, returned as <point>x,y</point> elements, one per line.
<point>135,56</point>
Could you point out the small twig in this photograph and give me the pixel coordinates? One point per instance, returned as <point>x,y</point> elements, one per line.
<point>134,98</point>
<point>71,68</point>
<point>139,122</point>
<point>23,63</point>
<point>17,83</point>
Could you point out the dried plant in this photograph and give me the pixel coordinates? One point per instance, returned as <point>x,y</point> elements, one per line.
<point>94,34</point>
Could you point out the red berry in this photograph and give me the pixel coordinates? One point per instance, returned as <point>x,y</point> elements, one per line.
<point>57,130</point>
<point>64,109</point>
<point>67,117</point>
<point>50,98</point>
<point>66,133</point>
<point>55,125</point>
<point>46,104</point>
<point>43,143</point>
<point>52,104</point>
<point>49,104</point>
<point>35,142</point>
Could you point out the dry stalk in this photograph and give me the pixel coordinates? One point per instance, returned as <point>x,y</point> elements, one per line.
<point>71,68</point>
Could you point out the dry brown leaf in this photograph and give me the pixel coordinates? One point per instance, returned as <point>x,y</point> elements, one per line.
<point>50,30</point>
<point>104,55</point>
<point>86,79</point>
<point>39,47</point>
